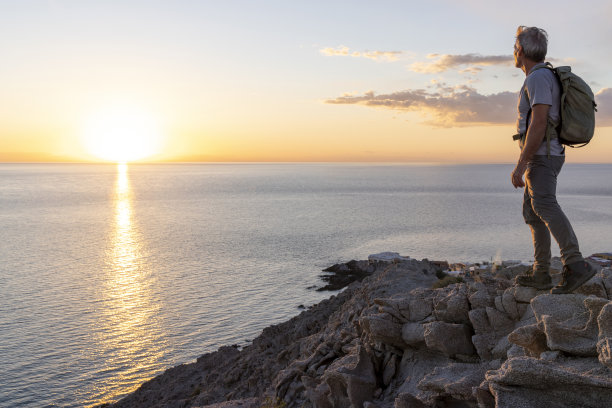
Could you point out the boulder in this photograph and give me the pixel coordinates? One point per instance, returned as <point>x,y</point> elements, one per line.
<point>606,280</point>
<point>531,338</point>
<point>242,403</point>
<point>383,328</point>
<point>413,333</point>
<point>406,400</point>
<point>420,304</point>
<point>569,322</point>
<point>451,304</point>
<point>452,339</point>
<point>455,381</point>
<point>351,380</point>
<point>534,383</point>
<point>604,344</point>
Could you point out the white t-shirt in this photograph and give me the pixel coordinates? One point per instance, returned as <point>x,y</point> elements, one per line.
<point>540,87</point>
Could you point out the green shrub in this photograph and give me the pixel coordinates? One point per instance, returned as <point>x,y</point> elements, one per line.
<point>447,280</point>
<point>440,274</point>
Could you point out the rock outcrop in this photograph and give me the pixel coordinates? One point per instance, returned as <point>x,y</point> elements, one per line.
<point>391,341</point>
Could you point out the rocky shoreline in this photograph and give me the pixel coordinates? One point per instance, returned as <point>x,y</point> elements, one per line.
<point>390,340</point>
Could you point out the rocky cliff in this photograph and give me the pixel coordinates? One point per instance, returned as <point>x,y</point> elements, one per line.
<point>392,340</point>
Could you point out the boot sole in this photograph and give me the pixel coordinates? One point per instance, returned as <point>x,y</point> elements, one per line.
<point>569,289</point>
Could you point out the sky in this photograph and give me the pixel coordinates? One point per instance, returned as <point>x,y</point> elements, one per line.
<point>363,81</point>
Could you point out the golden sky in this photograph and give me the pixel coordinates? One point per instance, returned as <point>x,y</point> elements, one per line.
<point>391,81</point>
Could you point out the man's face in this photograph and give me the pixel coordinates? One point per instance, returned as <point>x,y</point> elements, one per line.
<point>517,55</point>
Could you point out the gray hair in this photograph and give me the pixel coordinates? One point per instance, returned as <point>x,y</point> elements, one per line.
<point>534,42</point>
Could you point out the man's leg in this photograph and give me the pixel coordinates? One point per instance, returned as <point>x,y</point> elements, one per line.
<point>541,186</point>
<point>539,277</point>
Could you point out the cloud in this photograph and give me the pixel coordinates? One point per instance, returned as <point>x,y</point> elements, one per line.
<point>343,51</point>
<point>450,106</point>
<point>603,98</point>
<point>473,62</point>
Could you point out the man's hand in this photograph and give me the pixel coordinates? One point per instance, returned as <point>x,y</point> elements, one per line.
<point>517,175</point>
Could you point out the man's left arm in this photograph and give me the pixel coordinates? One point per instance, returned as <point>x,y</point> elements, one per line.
<point>535,137</point>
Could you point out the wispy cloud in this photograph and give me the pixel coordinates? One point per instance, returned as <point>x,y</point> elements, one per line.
<point>343,51</point>
<point>471,62</point>
<point>449,106</point>
<point>603,117</point>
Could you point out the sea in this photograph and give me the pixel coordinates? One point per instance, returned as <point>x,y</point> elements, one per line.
<point>110,274</point>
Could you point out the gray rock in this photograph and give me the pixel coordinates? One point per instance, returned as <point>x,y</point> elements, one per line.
<point>455,380</point>
<point>530,338</point>
<point>483,395</point>
<point>529,382</point>
<point>351,380</point>
<point>604,344</point>
<point>413,333</point>
<point>382,328</point>
<point>482,295</point>
<point>569,322</point>
<point>524,294</point>
<point>604,321</point>
<point>516,351</point>
<point>449,338</point>
<point>451,304</point>
<point>500,322</point>
<point>604,352</point>
<point>480,321</point>
<point>317,393</point>
<point>397,306</point>
<point>243,403</point>
<point>500,351</point>
<point>389,369</point>
<point>484,344</point>
<point>406,400</point>
<point>509,303</point>
<point>499,305</point>
<point>421,304</point>
<point>606,280</point>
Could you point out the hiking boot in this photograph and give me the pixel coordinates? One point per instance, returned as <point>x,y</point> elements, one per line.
<point>574,275</point>
<point>538,280</point>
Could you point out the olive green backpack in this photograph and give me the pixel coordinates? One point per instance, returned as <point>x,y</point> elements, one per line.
<point>577,111</point>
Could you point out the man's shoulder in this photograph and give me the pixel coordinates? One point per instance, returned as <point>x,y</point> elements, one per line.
<point>538,74</point>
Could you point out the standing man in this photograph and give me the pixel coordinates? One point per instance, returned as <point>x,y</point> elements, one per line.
<point>541,161</point>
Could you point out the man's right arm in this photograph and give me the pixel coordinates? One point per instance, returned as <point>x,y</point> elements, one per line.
<point>535,136</point>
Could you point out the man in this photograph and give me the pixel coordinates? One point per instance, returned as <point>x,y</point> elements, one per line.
<point>540,161</point>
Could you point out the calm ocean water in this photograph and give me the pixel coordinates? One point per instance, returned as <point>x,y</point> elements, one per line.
<point>109,275</point>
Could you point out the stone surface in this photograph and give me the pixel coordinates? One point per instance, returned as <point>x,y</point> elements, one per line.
<point>456,380</point>
<point>243,403</point>
<point>570,327</point>
<point>421,304</point>
<point>413,333</point>
<point>451,339</point>
<point>531,338</point>
<point>406,400</point>
<point>529,382</point>
<point>604,344</point>
<point>351,380</point>
<point>451,304</point>
<point>384,329</point>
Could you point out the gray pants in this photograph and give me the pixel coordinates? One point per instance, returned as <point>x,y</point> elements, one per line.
<point>544,215</point>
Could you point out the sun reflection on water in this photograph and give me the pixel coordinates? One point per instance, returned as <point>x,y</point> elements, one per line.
<point>130,338</point>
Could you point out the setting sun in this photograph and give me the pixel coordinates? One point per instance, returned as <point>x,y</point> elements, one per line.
<point>122,134</point>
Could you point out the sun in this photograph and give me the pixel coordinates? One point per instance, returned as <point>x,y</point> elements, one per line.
<point>122,134</point>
